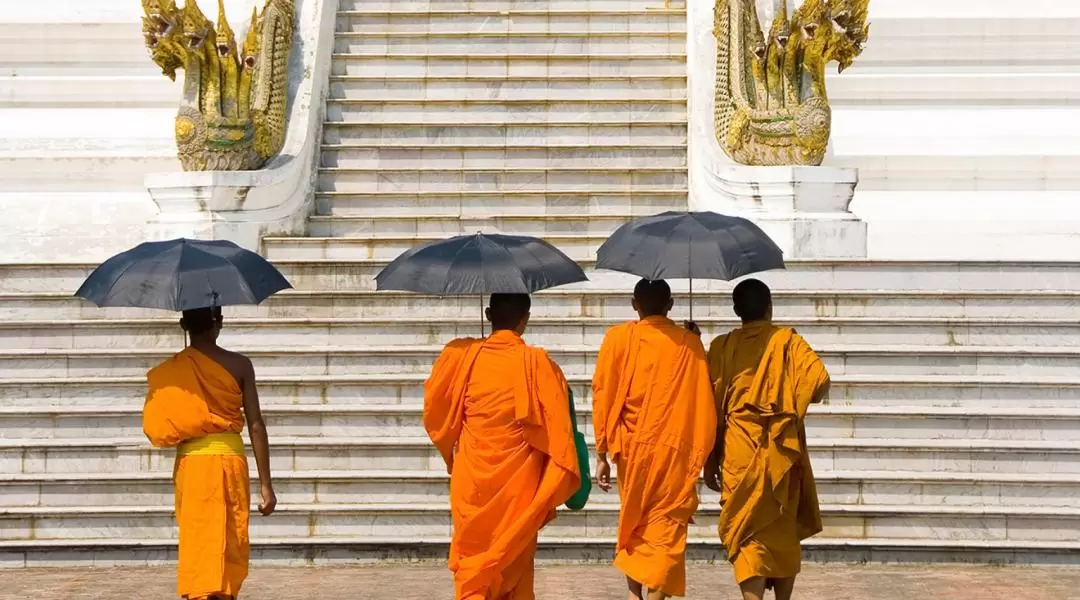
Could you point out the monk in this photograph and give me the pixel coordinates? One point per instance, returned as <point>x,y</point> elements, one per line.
<point>498,412</point>
<point>197,403</point>
<point>765,378</point>
<point>654,416</point>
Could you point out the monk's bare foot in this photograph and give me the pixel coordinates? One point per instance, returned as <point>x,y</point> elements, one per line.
<point>753,588</point>
<point>635,590</point>
<point>657,595</point>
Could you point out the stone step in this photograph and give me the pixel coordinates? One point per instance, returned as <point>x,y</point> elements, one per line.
<point>602,157</point>
<point>467,179</point>
<point>854,88</point>
<point>900,424</point>
<point>494,6</point>
<point>948,87</point>
<point>509,64</point>
<point>867,488</point>
<point>537,202</point>
<point>545,331</point>
<point>870,392</point>
<point>625,110</point>
<point>112,91</point>
<point>133,455</point>
<point>838,275</point>
<point>479,22</point>
<point>69,44</point>
<point>464,87</point>
<point>81,173</point>
<point>432,520</point>
<point>877,173</point>
<point>612,303</point>
<point>348,551</point>
<point>570,41</point>
<point>44,132</point>
<point>1027,134</point>
<point>131,356</point>
<point>619,127</point>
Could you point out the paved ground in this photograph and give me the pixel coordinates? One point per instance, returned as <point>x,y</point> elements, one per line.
<point>818,582</point>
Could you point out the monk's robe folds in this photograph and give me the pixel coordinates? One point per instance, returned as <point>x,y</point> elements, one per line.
<point>654,414</point>
<point>497,410</point>
<point>766,377</point>
<point>195,405</point>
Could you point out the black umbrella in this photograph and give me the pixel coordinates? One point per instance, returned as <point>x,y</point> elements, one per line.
<point>690,245</point>
<point>183,274</point>
<point>480,264</point>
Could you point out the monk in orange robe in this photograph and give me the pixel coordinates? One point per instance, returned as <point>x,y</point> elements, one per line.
<point>498,411</point>
<point>765,378</point>
<point>197,403</point>
<point>654,416</point>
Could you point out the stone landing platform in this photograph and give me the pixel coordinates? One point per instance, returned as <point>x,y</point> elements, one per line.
<point>432,581</point>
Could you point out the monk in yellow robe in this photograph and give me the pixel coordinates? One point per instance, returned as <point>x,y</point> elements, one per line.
<point>498,411</point>
<point>765,378</point>
<point>197,403</point>
<point>654,416</point>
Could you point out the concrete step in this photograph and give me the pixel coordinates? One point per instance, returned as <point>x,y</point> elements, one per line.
<point>81,174</point>
<point>974,393</point>
<point>407,330</point>
<point>623,110</point>
<point>866,488</point>
<point>937,276</point>
<point>479,21</point>
<point>433,520</point>
<point>620,128</point>
<point>901,424</point>
<point>644,178</point>
<point>573,40</point>
<point>611,303</point>
<point>947,87</point>
<point>360,550</point>
<point>77,91</point>
<point>464,87</point>
<point>509,64</point>
<point>136,355</point>
<point>602,157</point>
<point>943,86</point>
<point>537,202</point>
<point>133,455</point>
<point>57,43</point>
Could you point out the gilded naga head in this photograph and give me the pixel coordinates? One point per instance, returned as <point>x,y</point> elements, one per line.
<point>197,28</point>
<point>161,27</point>
<point>850,30</point>
<point>250,52</point>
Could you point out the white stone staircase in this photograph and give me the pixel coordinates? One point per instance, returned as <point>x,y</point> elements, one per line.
<point>951,433</point>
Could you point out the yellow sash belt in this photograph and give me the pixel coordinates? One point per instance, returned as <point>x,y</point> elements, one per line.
<point>215,444</point>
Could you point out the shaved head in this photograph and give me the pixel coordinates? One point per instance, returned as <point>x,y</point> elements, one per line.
<point>752,300</point>
<point>652,298</point>
<point>201,320</point>
<point>509,311</point>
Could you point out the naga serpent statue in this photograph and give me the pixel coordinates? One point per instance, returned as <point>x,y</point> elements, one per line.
<point>232,116</point>
<point>771,106</point>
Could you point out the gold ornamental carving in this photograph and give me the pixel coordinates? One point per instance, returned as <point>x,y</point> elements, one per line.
<point>771,105</point>
<point>233,113</point>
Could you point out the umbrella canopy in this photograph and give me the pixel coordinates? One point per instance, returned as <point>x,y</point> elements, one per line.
<point>690,245</point>
<point>183,274</point>
<point>480,264</point>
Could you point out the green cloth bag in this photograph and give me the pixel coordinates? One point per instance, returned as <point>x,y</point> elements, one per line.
<point>581,497</point>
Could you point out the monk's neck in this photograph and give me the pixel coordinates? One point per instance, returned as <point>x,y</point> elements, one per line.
<point>505,334</point>
<point>203,345</point>
<point>656,319</point>
<point>757,324</point>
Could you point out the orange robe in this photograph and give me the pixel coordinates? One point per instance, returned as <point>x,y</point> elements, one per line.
<point>766,377</point>
<point>653,412</point>
<point>196,405</point>
<point>499,413</point>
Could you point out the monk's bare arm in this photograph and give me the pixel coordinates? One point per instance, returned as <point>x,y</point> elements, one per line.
<point>260,443</point>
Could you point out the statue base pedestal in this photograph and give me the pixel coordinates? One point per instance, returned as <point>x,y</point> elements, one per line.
<point>240,206</point>
<point>803,209</point>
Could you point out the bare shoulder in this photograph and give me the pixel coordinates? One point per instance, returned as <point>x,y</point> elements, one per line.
<point>237,364</point>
